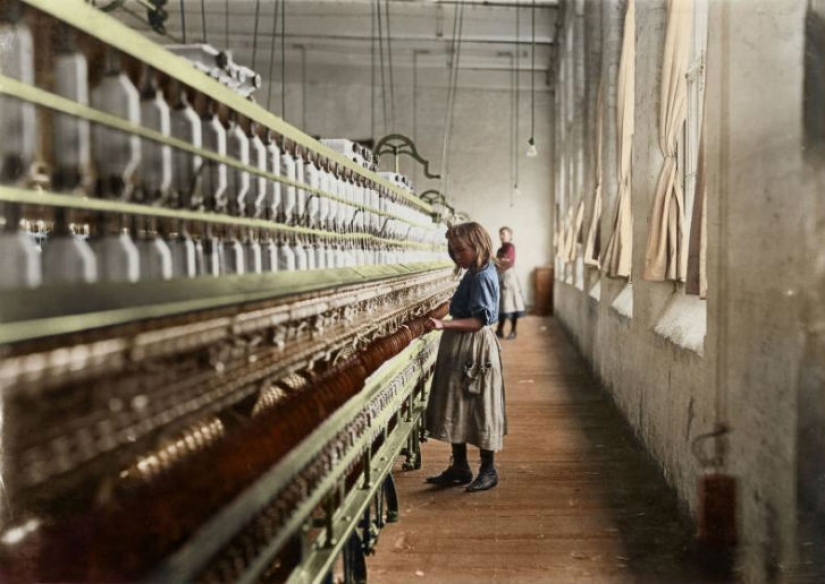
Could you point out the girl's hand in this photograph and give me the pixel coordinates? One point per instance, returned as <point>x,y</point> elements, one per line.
<point>434,324</point>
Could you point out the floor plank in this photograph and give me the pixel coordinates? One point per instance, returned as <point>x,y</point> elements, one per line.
<point>578,499</point>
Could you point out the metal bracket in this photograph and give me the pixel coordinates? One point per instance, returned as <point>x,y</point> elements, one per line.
<point>157,15</point>
<point>433,196</point>
<point>111,6</point>
<point>396,144</point>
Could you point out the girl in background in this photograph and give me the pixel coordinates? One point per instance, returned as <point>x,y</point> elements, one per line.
<point>512,302</point>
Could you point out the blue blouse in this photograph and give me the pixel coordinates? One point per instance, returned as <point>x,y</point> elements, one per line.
<point>477,295</point>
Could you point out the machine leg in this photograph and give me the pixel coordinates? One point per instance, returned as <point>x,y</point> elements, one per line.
<point>391,496</point>
<point>367,468</point>
<point>355,564</point>
<point>412,452</point>
<point>422,430</point>
<point>417,440</point>
<point>369,530</point>
<point>329,515</point>
<point>379,509</point>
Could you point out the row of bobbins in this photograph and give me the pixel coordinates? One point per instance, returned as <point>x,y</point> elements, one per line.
<point>66,153</point>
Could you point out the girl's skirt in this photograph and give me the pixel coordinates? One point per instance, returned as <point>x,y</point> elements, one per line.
<point>466,402</point>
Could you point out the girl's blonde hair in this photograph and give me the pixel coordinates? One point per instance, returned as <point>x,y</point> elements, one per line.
<point>472,235</point>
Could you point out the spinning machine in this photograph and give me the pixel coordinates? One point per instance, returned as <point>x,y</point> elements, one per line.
<point>212,346</point>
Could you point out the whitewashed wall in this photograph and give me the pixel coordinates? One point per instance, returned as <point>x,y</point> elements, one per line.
<point>335,102</point>
<point>761,196</point>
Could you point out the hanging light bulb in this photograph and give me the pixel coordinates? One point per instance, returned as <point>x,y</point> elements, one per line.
<point>516,190</point>
<point>532,151</point>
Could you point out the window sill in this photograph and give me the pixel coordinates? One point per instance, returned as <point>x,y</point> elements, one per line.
<point>579,276</point>
<point>623,304</point>
<point>684,322</point>
<point>596,290</point>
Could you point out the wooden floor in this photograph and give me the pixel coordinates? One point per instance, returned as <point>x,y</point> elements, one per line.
<point>578,500</point>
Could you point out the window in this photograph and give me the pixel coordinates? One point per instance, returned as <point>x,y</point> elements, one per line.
<point>689,151</point>
<point>684,319</point>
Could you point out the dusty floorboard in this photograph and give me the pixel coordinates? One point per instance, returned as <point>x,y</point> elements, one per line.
<point>578,501</point>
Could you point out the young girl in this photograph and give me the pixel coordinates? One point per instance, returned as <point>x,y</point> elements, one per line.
<point>466,403</point>
<point>512,303</point>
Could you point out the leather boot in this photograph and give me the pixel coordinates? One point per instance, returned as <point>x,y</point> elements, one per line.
<point>487,476</point>
<point>458,473</point>
<point>487,479</point>
<point>454,475</point>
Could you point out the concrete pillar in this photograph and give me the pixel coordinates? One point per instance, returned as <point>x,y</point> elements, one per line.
<point>649,298</point>
<point>612,30</point>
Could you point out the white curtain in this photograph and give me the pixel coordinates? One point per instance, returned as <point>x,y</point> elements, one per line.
<point>591,247</point>
<point>666,254</point>
<point>618,254</point>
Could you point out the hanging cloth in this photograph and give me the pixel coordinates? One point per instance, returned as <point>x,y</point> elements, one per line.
<point>618,254</point>
<point>593,242</point>
<point>666,255</point>
<point>697,273</point>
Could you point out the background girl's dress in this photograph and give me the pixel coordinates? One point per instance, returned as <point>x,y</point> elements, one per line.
<point>512,301</point>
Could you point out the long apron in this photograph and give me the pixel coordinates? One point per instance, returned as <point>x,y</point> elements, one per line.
<point>466,402</point>
<point>512,301</point>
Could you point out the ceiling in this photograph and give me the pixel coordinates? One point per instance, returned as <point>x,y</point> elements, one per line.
<point>344,33</point>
